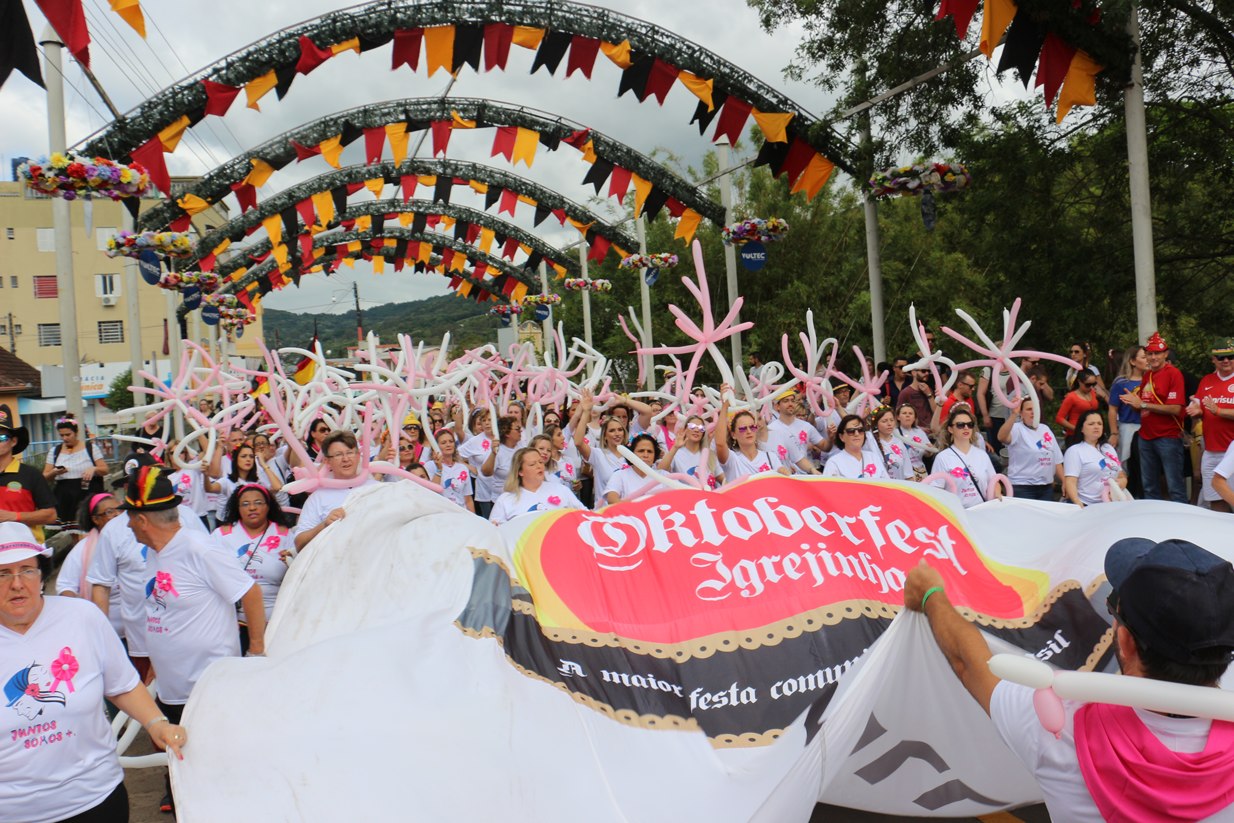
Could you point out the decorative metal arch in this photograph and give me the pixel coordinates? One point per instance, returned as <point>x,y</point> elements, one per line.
<point>419,112</point>
<point>462,214</point>
<point>374,24</point>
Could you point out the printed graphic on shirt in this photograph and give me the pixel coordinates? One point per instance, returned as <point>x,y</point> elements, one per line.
<point>159,587</point>
<point>448,482</point>
<point>252,550</point>
<point>36,689</point>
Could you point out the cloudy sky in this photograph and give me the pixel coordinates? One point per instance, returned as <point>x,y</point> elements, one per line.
<point>186,35</point>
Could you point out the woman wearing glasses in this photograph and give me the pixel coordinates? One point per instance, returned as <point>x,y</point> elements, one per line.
<point>604,459</point>
<point>92,516</point>
<point>528,489</point>
<point>687,453</point>
<point>963,458</point>
<point>325,506</point>
<point>852,462</point>
<point>739,453</point>
<point>1091,465</point>
<point>312,443</point>
<point>1076,403</point>
<point>257,534</point>
<point>1081,353</point>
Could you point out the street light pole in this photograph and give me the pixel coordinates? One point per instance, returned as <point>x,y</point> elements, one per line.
<point>730,252</point>
<point>582,261</point>
<point>1141,200</point>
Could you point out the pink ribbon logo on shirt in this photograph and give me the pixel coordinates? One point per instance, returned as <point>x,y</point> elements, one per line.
<point>801,438</point>
<point>64,668</point>
<point>484,444</point>
<point>164,583</point>
<point>783,452</point>
<point>271,543</point>
<point>555,500</point>
<point>870,469</point>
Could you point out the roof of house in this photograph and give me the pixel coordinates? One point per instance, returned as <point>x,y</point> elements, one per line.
<point>18,376</point>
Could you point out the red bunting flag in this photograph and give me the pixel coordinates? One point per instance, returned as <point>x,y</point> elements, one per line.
<point>307,213</point>
<point>619,182</point>
<point>508,287</point>
<point>442,129</point>
<point>560,214</point>
<point>246,195</point>
<point>409,183</point>
<point>503,142</point>
<point>509,248</point>
<point>509,201</point>
<point>661,80</point>
<point>1053,64</point>
<point>182,223</point>
<point>583,52</point>
<point>961,12</point>
<point>304,152</point>
<point>150,155</point>
<point>219,97</point>
<point>675,207</point>
<point>480,269</point>
<point>207,263</point>
<point>310,56</point>
<point>374,142</point>
<point>447,257</point>
<point>732,119</point>
<point>497,40</point>
<point>578,139</point>
<point>407,48</point>
<point>306,246</point>
<point>473,231</point>
<point>799,155</point>
<point>69,20</point>
<point>599,248</point>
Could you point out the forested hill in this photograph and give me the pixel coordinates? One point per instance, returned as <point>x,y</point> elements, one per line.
<point>468,323</point>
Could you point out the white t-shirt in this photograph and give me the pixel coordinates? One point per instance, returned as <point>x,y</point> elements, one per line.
<point>686,462</point>
<point>950,461</point>
<point>191,592</point>
<point>501,465</point>
<point>869,467</point>
<point>738,465</point>
<point>822,425</point>
<point>1054,763</point>
<point>76,462</point>
<point>895,456</point>
<point>1093,467</point>
<point>791,441</point>
<point>57,750</point>
<point>319,505</point>
<point>258,557</point>
<point>455,480</point>
<point>551,495</point>
<point>190,484</point>
<point>1032,455</point>
<point>919,445</point>
<point>604,464</point>
<point>475,451</point>
<point>72,575</point>
<point>625,483</point>
<point>119,562</point>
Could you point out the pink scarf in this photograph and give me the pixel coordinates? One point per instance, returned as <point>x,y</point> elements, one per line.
<point>1132,776</point>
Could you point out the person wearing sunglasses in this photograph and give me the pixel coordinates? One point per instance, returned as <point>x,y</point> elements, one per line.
<point>964,460</point>
<point>740,454</point>
<point>853,462</point>
<point>1213,401</point>
<point>687,452</point>
<point>25,496</point>
<point>1075,403</point>
<point>1082,353</point>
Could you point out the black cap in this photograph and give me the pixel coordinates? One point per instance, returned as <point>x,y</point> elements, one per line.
<point>1175,597</point>
<point>150,490</point>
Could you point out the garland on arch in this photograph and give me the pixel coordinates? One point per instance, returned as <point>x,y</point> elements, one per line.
<point>166,243</point>
<point>207,282</point>
<point>70,176</point>
<point>755,229</point>
<point>506,310</point>
<point>661,260</point>
<point>919,178</point>
<point>579,284</point>
<point>233,314</point>
<point>542,300</point>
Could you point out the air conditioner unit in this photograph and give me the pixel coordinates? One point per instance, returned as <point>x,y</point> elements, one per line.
<point>110,300</point>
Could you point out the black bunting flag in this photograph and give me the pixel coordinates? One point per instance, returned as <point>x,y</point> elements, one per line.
<point>371,39</point>
<point>635,78</point>
<point>17,47</point>
<point>542,213</point>
<point>552,50</point>
<point>350,134</point>
<point>441,192</point>
<point>285,74</point>
<point>419,222</point>
<point>468,42</point>
<point>703,116</point>
<point>1023,46</point>
<point>291,224</point>
<point>339,195</point>
<point>598,174</point>
<point>654,203</point>
<point>491,197</point>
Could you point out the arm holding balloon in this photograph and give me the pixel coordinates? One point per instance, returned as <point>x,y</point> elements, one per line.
<point>959,641</point>
<point>720,438</point>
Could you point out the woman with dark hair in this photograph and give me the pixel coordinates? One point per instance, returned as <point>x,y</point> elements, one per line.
<point>1082,352</point>
<point>312,443</point>
<point>257,533</point>
<point>882,440</point>
<point>247,466</point>
<point>963,458</point>
<point>1034,460</point>
<point>624,483</point>
<point>474,449</point>
<point>738,452</point>
<point>853,462</point>
<point>509,435</point>
<point>528,489</point>
<point>73,468</point>
<point>92,516</point>
<point>1092,464</point>
<point>917,439</point>
<point>1082,399</point>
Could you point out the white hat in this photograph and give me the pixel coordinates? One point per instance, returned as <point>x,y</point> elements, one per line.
<point>17,543</point>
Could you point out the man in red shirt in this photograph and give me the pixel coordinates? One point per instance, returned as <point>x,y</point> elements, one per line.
<point>25,496</point>
<point>1159,399</point>
<point>965,384</point>
<point>1214,401</point>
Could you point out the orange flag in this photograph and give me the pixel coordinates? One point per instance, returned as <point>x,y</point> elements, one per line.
<point>257,88</point>
<point>130,12</point>
<point>439,48</point>
<point>1080,86</point>
<point>170,136</point>
<point>995,19</point>
<point>525,144</point>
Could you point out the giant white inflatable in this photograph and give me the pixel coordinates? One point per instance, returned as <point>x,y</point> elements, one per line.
<point>725,656</point>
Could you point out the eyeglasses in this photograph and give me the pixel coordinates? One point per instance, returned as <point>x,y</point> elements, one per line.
<point>4,438</point>
<point>696,427</point>
<point>411,426</point>
<point>26,575</point>
<point>320,431</point>
<point>746,429</point>
<point>255,504</point>
<point>962,424</point>
<point>109,513</point>
<point>337,455</point>
<point>969,385</point>
<point>1090,385</point>
<point>1224,357</point>
<point>852,430</point>
<point>405,448</point>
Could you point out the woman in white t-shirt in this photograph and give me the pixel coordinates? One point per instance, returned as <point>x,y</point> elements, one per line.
<point>965,460</point>
<point>917,439</point>
<point>59,659</point>
<point>853,462</point>
<point>739,453</point>
<point>687,452</point>
<point>247,466</point>
<point>474,451</point>
<point>1090,466</point>
<point>882,440</point>
<point>449,472</point>
<point>624,484</point>
<point>529,490</point>
<point>1034,459</point>
<point>257,534</point>
<point>603,458</point>
<point>568,463</point>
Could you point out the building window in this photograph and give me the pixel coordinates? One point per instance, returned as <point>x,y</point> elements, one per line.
<point>10,234</point>
<point>4,329</point>
<point>49,334</point>
<point>101,236</point>
<point>46,239</point>
<point>45,287</point>
<point>111,331</point>
<point>106,285</point>
<point>13,280</point>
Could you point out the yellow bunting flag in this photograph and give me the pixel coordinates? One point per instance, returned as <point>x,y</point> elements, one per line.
<point>445,222</point>
<point>428,180</point>
<point>170,136</point>
<point>525,144</point>
<point>130,12</point>
<point>280,254</point>
<point>332,149</point>
<point>459,262</point>
<point>527,37</point>
<point>619,53</point>
<point>478,187</point>
<point>425,254</point>
<point>589,151</point>
<point>347,45</point>
<point>237,274</point>
<point>221,247</point>
<point>486,238</point>
<point>461,122</point>
<point>351,263</point>
<point>700,88</point>
<point>688,225</point>
<point>995,20</point>
<point>814,177</point>
<point>354,245</point>
<point>1080,86</point>
<point>323,204</point>
<point>192,204</point>
<point>256,89</point>
<point>439,48</point>
<point>773,125</point>
<point>528,199</point>
<point>397,134</point>
<point>520,291</point>
<point>580,225</point>
<point>464,288</point>
<point>274,229</point>
<point>642,188</point>
<point>560,269</point>
<point>379,264</point>
<point>260,174</point>
<point>406,218</point>
<point>364,222</point>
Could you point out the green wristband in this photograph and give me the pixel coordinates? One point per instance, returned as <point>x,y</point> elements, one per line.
<point>929,592</point>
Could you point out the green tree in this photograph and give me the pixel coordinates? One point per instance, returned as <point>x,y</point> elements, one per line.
<point>118,394</point>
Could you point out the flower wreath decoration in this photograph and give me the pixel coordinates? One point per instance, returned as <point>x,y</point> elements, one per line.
<point>71,176</point>
<point>754,229</point>
<point>166,243</point>
<point>579,284</point>
<point>662,260</point>
<point>542,300</point>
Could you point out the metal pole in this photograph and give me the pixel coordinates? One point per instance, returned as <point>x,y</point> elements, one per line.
<point>874,259</point>
<point>175,346</point>
<point>582,260</point>
<point>1141,202</point>
<point>133,305</point>
<point>730,252</point>
<point>649,363</point>
<point>547,325</point>
<point>61,220</point>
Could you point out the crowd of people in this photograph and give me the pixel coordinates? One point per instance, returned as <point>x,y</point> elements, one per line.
<point>184,561</point>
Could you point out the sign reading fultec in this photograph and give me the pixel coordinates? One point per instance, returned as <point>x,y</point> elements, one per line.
<point>735,611</point>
